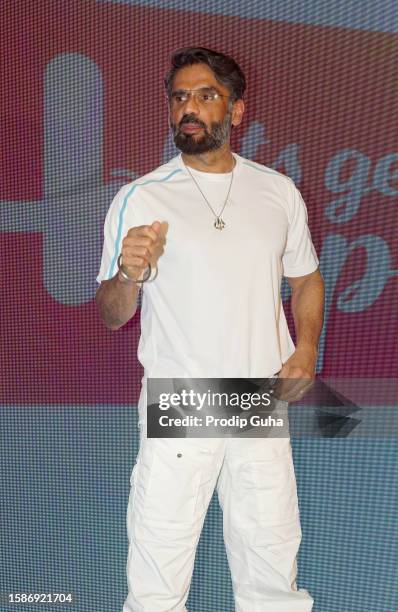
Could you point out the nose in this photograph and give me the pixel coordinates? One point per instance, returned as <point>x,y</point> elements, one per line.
<point>191,105</point>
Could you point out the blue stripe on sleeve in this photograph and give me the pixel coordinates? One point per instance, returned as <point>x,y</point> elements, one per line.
<point>121,215</point>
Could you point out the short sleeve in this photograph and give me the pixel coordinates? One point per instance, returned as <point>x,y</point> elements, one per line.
<point>300,257</point>
<point>113,229</point>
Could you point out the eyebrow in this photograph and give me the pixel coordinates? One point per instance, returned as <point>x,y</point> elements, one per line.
<point>207,88</point>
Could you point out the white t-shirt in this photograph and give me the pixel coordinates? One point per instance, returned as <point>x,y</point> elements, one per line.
<point>215,308</point>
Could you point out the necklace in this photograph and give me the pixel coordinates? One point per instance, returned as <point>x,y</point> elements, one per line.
<point>219,223</point>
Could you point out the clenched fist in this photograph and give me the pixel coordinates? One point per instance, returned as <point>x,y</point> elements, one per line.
<point>141,246</point>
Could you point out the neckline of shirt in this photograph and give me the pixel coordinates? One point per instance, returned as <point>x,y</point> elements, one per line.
<point>212,176</point>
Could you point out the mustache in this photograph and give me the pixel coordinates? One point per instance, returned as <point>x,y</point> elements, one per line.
<point>193,121</point>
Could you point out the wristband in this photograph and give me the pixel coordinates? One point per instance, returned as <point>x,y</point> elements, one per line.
<point>129,278</point>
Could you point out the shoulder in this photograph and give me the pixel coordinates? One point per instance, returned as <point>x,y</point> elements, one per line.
<point>267,172</point>
<point>162,173</point>
<point>264,177</point>
<point>283,188</point>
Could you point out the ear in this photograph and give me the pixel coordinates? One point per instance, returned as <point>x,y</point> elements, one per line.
<point>237,112</point>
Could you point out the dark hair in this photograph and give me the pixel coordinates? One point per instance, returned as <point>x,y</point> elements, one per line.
<point>225,69</point>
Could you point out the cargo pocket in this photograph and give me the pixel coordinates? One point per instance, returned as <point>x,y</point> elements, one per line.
<point>269,490</point>
<point>173,487</point>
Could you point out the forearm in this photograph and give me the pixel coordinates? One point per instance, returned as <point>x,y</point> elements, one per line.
<point>308,308</point>
<point>116,300</point>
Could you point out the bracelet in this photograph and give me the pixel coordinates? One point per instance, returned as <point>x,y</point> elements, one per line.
<point>132,280</point>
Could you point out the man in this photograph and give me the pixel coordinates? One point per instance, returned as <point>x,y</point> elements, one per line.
<point>216,232</point>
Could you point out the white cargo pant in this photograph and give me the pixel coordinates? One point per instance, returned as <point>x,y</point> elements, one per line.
<point>172,483</point>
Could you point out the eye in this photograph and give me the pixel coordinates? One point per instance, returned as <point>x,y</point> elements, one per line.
<point>207,97</point>
<point>178,97</point>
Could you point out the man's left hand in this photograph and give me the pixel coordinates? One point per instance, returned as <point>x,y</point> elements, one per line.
<point>297,374</point>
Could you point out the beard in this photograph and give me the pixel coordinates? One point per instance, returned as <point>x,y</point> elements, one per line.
<point>193,144</point>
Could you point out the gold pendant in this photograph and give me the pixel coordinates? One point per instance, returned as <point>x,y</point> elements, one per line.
<point>219,223</point>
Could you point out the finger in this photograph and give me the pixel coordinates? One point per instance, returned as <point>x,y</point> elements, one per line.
<point>136,251</point>
<point>138,246</point>
<point>298,390</point>
<point>135,262</point>
<point>156,226</point>
<point>287,387</point>
<point>307,388</point>
<point>279,389</point>
<point>142,231</point>
<point>142,257</point>
<point>132,248</point>
<point>142,240</point>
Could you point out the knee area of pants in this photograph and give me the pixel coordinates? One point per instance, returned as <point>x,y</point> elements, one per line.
<point>262,532</point>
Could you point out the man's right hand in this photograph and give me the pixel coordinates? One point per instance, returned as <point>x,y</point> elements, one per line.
<point>141,246</point>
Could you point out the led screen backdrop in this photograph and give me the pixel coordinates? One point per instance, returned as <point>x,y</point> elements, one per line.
<point>83,112</point>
